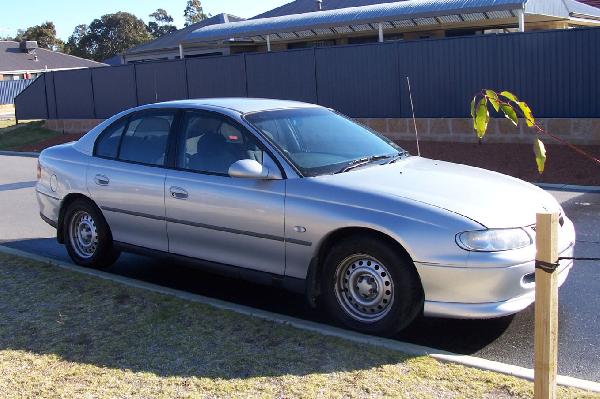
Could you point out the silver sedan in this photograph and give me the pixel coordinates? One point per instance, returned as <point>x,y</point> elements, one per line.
<point>297,195</point>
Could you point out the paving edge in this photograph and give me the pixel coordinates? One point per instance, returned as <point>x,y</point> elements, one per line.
<point>404,347</point>
<point>20,154</point>
<point>569,187</point>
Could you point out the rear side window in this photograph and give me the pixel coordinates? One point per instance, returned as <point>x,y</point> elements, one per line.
<point>108,144</point>
<point>145,140</point>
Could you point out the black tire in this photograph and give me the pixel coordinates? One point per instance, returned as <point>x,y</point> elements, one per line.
<point>102,253</point>
<point>346,267</point>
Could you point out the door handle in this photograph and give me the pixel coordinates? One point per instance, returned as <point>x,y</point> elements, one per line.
<point>179,193</point>
<point>101,180</point>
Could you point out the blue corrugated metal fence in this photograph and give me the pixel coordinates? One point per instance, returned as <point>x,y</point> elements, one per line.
<point>9,89</point>
<point>556,72</point>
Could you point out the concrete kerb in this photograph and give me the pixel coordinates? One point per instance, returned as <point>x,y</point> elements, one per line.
<point>20,154</point>
<point>403,347</point>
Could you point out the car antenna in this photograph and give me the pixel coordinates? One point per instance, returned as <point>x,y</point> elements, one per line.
<point>413,115</point>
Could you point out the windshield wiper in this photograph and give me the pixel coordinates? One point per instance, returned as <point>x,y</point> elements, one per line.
<point>357,163</point>
<point>399,156</point>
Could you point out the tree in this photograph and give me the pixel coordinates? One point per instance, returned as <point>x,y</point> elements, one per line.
<point>76,45</point>
<point>162,23</point>
<point>107,36</point>
<point>507,104</point>
<point>193,12</point>
<point>44,34</point>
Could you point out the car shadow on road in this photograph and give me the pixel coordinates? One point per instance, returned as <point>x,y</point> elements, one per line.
<point>17,186</point>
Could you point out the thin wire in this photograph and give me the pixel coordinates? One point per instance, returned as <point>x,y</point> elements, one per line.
<point>413,115</point>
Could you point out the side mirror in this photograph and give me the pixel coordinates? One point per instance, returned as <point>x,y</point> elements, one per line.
<point>250,169</point>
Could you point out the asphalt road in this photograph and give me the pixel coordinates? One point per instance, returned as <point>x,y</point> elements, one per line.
<point>508,339</point>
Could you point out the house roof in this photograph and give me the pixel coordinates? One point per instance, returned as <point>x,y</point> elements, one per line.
<point>405,12</point>
<point>585,9</point>
<point>595,3</point>
<point>410,13</point>
<point>304,6</point>
<point>12,58</point>
<point>172,40</point>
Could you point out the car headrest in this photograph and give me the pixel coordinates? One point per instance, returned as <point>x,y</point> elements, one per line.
<point>209,142</point>
<point>153,124</point>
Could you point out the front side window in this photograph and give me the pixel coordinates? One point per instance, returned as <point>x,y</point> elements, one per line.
<point>318,141</point>
<point>210,143</point>
<point>145,140</point>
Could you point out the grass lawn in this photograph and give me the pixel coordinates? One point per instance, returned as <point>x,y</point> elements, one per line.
<point>12,136</point>
<point>64,334</point>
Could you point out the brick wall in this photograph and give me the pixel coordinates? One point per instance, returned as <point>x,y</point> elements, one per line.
<point>459,130</point>
<point>72,126</point>
<point>575,131</point>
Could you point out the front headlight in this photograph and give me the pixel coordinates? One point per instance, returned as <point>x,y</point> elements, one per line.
<point>492,240</point>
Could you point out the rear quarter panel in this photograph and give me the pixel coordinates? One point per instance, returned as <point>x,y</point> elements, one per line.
<point>63,172</point>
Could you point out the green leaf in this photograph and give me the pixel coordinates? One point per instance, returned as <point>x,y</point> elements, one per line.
<point>527,113</point>
<point>473,108</point>
<point>540,154</point>
<point>510,114</point>
<point>482,118</point>
<point>510,96</point>
<point>493,97</point>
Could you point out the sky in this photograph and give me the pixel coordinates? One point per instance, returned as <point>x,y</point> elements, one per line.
<point>67,14</point>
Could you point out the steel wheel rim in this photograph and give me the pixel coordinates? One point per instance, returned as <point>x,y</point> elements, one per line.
<point>83,234</point>
<point>364,288</point>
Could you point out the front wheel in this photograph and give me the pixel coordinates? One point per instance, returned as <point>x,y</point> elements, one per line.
<point>87,236</point>
<point>371,287</point>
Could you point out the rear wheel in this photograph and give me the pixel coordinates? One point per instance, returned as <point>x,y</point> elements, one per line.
<point>87,236</point>
<point>371,287</point>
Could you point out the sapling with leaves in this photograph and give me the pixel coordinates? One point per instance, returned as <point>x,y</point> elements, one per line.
<point>511,107</point>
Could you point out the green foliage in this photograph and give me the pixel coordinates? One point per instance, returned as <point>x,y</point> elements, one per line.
<point>107,36</point>
<point>510,114</point>
<point>540,154</point>
<point>482,118</point>
<point>44,34</point>
<point>509,105</point>
<point>194,12</point>
<point>162,23</point>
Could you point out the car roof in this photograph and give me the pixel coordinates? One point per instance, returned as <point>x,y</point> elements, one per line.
<point>239,104</point>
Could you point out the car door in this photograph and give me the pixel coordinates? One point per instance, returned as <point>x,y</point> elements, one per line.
<point>213,216</point>
<point>126,177</point>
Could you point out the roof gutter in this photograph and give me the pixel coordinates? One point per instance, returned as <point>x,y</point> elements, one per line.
<point>584,16</point>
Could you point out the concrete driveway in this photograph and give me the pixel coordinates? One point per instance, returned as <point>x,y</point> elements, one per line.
<point>508,339</point>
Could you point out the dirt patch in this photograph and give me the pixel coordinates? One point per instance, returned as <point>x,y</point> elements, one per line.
<point>563,165</point>
<point>41,145</point>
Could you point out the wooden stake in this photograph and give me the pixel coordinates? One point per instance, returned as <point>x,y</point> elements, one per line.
<point>546,308</point>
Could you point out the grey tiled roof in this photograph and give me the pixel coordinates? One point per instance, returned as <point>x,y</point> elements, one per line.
<point>12,58</point>
<point>172,40</point>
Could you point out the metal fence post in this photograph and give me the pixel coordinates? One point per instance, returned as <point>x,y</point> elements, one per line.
<point>546,307</point>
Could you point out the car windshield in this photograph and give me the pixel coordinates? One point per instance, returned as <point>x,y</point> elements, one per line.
<point>318,141</point>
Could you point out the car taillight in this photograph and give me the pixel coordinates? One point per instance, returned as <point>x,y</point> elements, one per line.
<point>39,171</point>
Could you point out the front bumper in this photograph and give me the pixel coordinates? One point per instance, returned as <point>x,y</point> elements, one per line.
<point>489,286</point>
<point>490,310</point>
